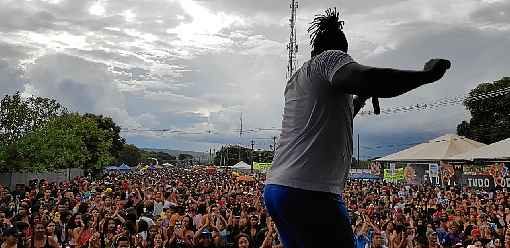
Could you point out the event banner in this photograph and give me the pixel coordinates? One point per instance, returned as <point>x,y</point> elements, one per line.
<point>486,177</point>
<point>397,175</point>
<point>415,173</point>
<point>479,181</point>
<point>451,175</point>
<point>375,169</point>
<point>261,166</point>
<point>434,173</point>
<point>392,169</point>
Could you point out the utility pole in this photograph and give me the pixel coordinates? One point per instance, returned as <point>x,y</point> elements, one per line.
<point>226,164</point>
<point>214,156</point>
<point>240,135</point>
<point>221,157</point>
<point>241,129</point>
<point>358,152</point>
<point>252,144</point>
<point>239,155</point>
<point>274,145</point>
<point>292,47</point>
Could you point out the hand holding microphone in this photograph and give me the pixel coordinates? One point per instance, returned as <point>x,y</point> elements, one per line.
<point>435,68</point>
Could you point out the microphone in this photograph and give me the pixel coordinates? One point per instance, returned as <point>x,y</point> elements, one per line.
<point>375,104</point>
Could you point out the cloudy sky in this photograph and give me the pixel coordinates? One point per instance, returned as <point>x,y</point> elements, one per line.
<point>193,66</point>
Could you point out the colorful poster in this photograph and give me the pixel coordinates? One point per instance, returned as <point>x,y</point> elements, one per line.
<point>479,182</point>
<point>375,169</point>
<point>434,173</point>
<point>410,175</point>
<point>433,170</point>
<point>261,166</point>
<point>396,175</point>
<point>415,173</point>
<point>447,174</point>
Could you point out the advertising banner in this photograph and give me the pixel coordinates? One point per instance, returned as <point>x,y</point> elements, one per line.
<point>415,173</point>
<point>434,173</point>
<point>397,175</point>
<point>261,166</point>
<point>486,177</point>
<point>392,169</point>
<point>375,169</point>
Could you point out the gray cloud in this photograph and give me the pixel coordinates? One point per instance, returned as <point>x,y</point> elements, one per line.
<point>473,53</point>
<point>81,85</point>
<point>493,13</point>
<point>281,8</point>
<point>11,74</point>
<point>15,18</point>
<point>124,63</point>
<point>10,78</point>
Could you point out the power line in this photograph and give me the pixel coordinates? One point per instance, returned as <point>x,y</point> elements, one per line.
<point>444,102</point>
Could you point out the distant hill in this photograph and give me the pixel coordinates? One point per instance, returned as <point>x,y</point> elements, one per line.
<point>202,155</point>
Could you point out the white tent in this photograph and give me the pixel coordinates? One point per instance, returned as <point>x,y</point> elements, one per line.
<point>495,151</point>
<point>241,166</point>
<point>441,148</point>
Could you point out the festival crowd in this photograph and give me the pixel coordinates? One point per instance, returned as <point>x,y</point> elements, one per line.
<point>194,207</point>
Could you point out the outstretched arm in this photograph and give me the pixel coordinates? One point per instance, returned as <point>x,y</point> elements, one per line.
<point>357,79</point>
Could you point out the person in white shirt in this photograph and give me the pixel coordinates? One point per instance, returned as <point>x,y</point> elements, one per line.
<point>314,152</point>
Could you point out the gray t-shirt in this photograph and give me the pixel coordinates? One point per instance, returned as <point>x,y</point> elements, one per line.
<point>315,147</point>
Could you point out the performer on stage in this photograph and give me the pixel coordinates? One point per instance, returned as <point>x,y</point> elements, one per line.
<point>303,189</point>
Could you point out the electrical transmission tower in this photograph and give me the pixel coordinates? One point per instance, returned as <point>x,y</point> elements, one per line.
<point>292,47</point>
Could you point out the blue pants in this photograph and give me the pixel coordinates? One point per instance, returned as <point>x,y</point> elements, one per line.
<point>307,219</point>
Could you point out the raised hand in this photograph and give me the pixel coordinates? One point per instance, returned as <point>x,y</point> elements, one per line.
<point>436,68</point>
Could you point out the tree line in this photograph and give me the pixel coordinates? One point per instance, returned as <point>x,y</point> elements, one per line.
<point>39,134</point>
<point>490,116</point>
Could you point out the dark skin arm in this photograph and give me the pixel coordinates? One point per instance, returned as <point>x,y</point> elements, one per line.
<point>363,80</point>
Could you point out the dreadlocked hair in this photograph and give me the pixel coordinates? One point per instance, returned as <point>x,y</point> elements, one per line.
<point>326,33</point>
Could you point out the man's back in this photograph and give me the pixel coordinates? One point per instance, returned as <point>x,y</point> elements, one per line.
<point>315,146</point>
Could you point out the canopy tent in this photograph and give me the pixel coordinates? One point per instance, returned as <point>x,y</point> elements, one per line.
<point>111,168</point>
<point>441,148</point>
<point>241,166</point>
<point>365,176</point>
<point>124,167</point>
<point>495,151</point>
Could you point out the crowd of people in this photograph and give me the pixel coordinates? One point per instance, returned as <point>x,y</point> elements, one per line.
<point>194,207</point>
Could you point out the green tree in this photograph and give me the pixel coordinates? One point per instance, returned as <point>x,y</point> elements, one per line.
<point>162,157</point>
<point>112,131</point>
<point>131,155</point>
<point>185,157</point>
<point>229,155</point>
<point>64,142</point>
<point>19,116</point>
<point>490,116</point>
<point>10,158</point>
